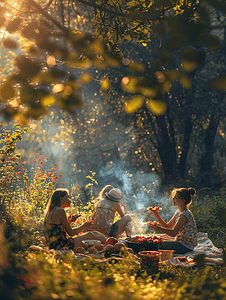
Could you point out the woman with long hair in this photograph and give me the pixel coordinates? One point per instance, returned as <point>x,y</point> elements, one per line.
<point>182,226</point>
<point>57,226</point>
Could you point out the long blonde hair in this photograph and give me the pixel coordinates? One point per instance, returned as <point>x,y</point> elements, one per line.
<point>55,199</point>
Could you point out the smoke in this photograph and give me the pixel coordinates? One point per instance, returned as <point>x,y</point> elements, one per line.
<point>139,190</point>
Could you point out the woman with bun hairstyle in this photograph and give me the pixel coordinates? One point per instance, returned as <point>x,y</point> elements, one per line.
<point>57,229</point>
<point>182,226</point>
<point>110,202</point>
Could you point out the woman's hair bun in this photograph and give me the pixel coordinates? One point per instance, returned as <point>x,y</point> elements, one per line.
<point>192,191</point>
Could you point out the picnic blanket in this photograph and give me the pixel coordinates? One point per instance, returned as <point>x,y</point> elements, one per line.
<point>212,254</point>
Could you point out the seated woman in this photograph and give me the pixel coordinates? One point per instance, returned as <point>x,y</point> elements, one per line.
<point>182,226</point>
<point>57,226</point>
<point>110,202</point>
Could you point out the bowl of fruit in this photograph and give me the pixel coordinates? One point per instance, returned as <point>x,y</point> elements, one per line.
<point>143,242</point>
<point>89,243</point>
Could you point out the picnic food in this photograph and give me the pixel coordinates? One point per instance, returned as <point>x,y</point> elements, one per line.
<point>100,247</point>
<point>111,241</point>
<point>108,248</point>
<point>119,246</point>
<point>154,208</point>
<point>73,217</point>
<point>79,250</point>
<point>153,223</point>
<point>140,239</point>
<point>92,249</point>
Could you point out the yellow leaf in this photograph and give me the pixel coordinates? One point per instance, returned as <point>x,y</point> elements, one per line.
<point>48,100</point>
<point>7,91</point>
<point>85,78</point>
<point>105,84</point>
<point>157,107</point>
<point>185,81</point>
<point>134,104</point>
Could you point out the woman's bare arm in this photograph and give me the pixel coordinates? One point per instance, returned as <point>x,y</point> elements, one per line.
<point>72,231</point>
<point>171,232</point>
<point>168,225</point>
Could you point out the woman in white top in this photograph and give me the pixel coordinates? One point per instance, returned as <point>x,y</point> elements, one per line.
<point>182,226</point>
<point>103,217</point>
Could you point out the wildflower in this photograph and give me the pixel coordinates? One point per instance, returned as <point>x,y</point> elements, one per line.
<point>40,165</point>
<point>83,220</point>
<point>37,153</point>
<point>19,169</point>
<point>24,169</point>
<point>52,179</point>
<point>8,182</point>
<point>54,165</point>
<point>7,131</point>
<point>46,157</point>
<point>33,160</point>
<point>62,183</point>
<point>53,169</point>
<point>47,192</point>
<point>24,162</point>
<point>60,175</point>
<point>57,177</point>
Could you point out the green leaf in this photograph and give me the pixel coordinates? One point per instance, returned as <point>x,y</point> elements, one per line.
<point>13,25</point>
<point>35,112</point>
<point>157,107</point>
<point>69,101</point>
<point>134,104</point>
<point>185,81</point>
<point>85,78</point>
<point>10,44</point>
<point>136,67</point>
<point>105,83</point>
<point>219,83</point>
<point>7,91</point>
<point>191,59</point>
<point>47,100</point>
<point>129,84</point>
<point>210,41</point>
<point>28,94</point>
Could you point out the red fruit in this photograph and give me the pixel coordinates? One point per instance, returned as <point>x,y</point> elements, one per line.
<point>111,241</point>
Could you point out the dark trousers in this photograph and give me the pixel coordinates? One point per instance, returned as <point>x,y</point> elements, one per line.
<point>173,245</point>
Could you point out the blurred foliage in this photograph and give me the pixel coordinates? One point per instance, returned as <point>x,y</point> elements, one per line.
<point>209,213</point>
<point>55,37</point>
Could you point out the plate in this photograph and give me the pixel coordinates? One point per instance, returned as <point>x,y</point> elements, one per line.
<point>89,243</point>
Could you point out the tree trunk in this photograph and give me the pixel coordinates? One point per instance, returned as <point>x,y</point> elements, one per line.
<point>207,155</point>
<point>185,147</point>
<point>166,149</point>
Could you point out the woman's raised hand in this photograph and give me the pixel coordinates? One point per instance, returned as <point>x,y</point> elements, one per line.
<point>154,209</point>
<point>88,224</point>
<point>152,224</point>
<point>73,217</point>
